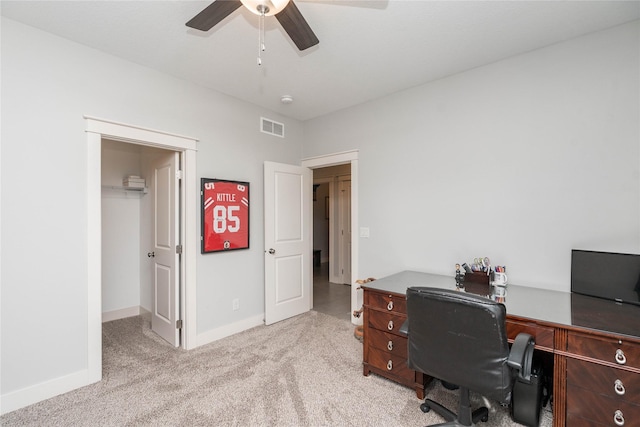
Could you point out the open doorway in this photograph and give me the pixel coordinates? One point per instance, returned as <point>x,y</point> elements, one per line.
<point>98,130</point>
<point>334,250</point>
<point>331,241</point>
<point>139,262</point>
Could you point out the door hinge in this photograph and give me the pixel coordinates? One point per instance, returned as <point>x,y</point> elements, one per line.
<point>178,174</point>
<point>179,324</point>
<point>179,249</point>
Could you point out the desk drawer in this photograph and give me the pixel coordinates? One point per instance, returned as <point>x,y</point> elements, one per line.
<point>392,364</point>
<point>387,342</point>
<point>622,353</point>
<point>542,334</point>
<point>586,404</point>
<point>388,302</point>
<point>574,420</point>
<point>388,322</point>
<point>607,381</point>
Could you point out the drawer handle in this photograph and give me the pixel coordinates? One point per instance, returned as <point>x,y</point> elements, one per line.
<point>617,386</point>
<point>618,418</point>
<point>390,347</point>
<point>620,358</point>
<point>390,325</point>
<point>390,367</point>
<point>390,306</point>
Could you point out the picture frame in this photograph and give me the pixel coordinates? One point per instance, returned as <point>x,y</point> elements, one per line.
<point>225,215</point>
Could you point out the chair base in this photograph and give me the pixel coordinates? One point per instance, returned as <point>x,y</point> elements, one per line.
<point>464,418</point>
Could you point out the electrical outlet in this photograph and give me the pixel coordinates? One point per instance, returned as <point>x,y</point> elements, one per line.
<point>236,304</point>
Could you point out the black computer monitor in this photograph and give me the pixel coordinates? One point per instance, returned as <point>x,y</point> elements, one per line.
<point>608,275</point>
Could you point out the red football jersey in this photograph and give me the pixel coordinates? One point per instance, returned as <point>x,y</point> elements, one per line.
<point>226,215</point>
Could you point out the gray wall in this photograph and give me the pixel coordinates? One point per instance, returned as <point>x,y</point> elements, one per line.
<point>48,84</point>
<point>520,161</point>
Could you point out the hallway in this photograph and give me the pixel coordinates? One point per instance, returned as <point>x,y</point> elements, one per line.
<point>330,298</point>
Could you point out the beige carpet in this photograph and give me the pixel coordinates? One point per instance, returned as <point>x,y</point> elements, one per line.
<point>305,371</point>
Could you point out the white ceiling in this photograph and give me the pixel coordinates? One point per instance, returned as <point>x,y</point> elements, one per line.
<point>367,49</point>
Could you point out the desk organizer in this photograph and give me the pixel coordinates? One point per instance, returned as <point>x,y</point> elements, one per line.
<point>477,283</point>
<point>477,277</point>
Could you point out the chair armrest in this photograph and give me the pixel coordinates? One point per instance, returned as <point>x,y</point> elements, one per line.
<point>521,355</point>
<point>404,329</point>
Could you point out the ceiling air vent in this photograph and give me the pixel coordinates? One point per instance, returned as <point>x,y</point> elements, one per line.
<point>271,127</point>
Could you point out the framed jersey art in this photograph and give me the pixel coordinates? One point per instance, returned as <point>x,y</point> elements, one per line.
<point>225,215</point>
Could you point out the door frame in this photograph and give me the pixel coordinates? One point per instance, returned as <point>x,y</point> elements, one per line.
<point>334,159</point>
<point>96,130</point>
<point>344,216</point>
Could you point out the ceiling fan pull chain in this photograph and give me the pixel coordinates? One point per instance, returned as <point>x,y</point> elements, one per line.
<point>261,36</point>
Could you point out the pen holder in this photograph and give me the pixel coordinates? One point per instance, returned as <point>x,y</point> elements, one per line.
<point>477,277</point>
<point>477,283</point>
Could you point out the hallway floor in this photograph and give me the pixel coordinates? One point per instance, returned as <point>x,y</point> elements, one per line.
<point>330,298</point>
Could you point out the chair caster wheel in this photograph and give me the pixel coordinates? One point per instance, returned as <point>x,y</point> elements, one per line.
<point>425,408</point>
<point>485,418</point>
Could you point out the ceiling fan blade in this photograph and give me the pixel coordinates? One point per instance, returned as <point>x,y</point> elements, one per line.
<point>212,14</point>
<point>296,26</point>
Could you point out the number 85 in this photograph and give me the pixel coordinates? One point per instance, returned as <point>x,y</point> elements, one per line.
<point>224,219</point>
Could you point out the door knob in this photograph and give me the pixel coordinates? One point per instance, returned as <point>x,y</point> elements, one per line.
<point>272,251</point>
<point>151,254</point>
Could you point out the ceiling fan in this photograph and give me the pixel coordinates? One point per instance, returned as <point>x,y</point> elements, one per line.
<point>285,11</point>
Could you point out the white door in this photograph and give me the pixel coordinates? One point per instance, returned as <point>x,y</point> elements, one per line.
<point>287,239</point>
<point>165,293</point>
<point>345,231</point>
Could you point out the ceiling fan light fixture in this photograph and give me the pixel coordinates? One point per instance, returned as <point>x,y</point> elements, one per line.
<point>269,7</point>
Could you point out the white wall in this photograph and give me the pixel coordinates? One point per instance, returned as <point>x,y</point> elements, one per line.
<point>521,161</point>
<point>48,84</point>
<point>121,219</point>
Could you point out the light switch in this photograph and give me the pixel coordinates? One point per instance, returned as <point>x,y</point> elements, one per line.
<point>364,232</point>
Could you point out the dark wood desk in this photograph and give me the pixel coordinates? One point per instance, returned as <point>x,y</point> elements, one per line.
<point>594,345</point>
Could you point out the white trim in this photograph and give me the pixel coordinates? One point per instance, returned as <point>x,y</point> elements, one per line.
<point>190,243</point>
<point>94,257</point>
<point>139,135</point>
<point>228,330</point>
<point>96,130</point>
<point>330,160</point>
<point>29,395</point>
<point>122,313</point>
<point>337,159</point>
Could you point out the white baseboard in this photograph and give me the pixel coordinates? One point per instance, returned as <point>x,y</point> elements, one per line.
<point>39,392</point>
<point>122,313</point>
<point>228,330</point>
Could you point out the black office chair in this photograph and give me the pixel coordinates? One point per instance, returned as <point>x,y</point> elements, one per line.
<point>461,338</point>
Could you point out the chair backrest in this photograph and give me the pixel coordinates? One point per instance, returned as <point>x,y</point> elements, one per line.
<point>459,338</point>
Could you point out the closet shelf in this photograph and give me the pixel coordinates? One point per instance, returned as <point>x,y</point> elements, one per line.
<point>142,190</point>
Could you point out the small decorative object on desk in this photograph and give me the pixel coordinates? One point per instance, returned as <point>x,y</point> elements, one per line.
<point>459,277</point>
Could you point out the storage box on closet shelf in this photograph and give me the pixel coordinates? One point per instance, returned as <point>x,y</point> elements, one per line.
<point>133,181</point>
